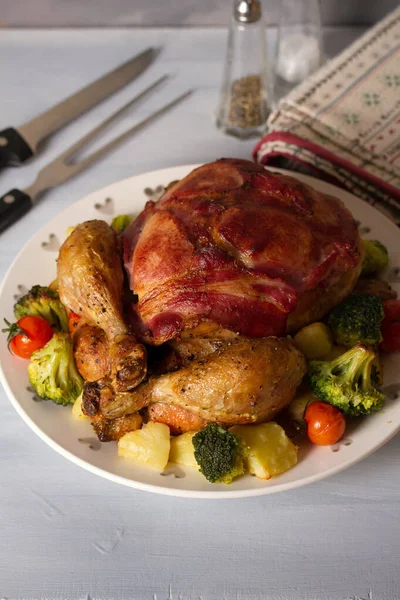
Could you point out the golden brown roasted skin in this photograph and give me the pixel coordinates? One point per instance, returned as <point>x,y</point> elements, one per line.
<point>202,341</point>
<point>110,430</point>
<point>91,352</point>
<point>178,419</point>
<point>90,277</point>
<point>247,381</point>
<point>90,283</point>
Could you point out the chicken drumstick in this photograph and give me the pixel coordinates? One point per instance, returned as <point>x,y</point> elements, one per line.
<point>90,281</point>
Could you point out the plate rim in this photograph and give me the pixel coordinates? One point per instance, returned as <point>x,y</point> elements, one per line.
<point>177,491</point>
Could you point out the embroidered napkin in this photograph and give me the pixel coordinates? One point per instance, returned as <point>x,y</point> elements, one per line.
<point>343,123</point>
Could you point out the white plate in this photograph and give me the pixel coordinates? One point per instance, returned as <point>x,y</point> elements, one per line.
<point>76,441</point>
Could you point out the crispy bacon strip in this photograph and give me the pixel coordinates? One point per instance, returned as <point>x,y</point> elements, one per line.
<point>237,245</point>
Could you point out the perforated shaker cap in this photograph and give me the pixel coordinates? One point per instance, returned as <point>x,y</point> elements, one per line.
<point>247,11</point>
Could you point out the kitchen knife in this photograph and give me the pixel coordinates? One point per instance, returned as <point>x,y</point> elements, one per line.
<point>19,144</point>
<point>16,203</point>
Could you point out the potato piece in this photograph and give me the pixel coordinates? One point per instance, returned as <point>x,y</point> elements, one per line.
<point>77,409</point>
<point>69,231</point>
<point>182,451</point>
<point>148,446</point>
<point>297,408</point>
<point>270,450</point>
<point>335,352</point>
<point>314,340</point>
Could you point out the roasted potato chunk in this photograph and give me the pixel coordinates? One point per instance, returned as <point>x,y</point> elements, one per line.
<point>148,446</point>
<point>182,450</point>
<point>271,452</point>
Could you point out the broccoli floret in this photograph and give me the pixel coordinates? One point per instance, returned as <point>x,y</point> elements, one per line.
<point>357,320</point>
<point>120,223</point>
<point>348,382</point>
<point>219,453</point>
<point>52,371</point>
<point>376,257</point>
<point>43,302</point>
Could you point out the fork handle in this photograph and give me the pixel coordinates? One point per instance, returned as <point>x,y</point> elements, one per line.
<point>13,205</point>
<point>13,148</point>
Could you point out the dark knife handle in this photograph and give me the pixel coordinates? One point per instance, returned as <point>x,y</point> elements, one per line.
<point>13,148</point>
<point>13,205</point>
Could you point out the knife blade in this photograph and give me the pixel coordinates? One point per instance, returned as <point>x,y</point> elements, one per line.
<point>16,203</point>
<point>19,144</point>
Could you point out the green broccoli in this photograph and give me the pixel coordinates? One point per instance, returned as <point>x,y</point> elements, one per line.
<point>376,257</point>
<point>357,320</point>
<point>348,382</point>
<point>52,371</point>
<point>120,223</point>
<point>219,453</point>
<point>43,302</point>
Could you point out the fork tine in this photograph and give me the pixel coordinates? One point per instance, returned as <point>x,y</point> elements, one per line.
<point>113,143</point>
<point>59,170</point>
<point>81,143</point>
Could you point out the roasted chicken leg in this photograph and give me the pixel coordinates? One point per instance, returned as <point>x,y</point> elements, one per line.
<point>246,381</point>
<point>90,282</point>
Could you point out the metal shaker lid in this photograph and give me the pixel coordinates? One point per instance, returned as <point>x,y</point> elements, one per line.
<point>247,11</point>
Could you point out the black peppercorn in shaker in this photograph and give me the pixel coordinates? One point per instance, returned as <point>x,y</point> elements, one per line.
<point>244,107</point>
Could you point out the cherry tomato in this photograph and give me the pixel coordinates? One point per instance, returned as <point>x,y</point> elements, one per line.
<point>28,334</point>
<point>325,423</point>
<point>391,326</point>
<point>73,321</point>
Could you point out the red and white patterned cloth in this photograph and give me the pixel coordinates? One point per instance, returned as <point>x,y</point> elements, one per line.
<point>343,123</point>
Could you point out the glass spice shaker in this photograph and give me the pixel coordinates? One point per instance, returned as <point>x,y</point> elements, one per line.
<point>299,48</point>
<point>244,107</point>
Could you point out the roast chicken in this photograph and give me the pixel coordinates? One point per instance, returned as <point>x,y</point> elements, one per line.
<point>222,267</point>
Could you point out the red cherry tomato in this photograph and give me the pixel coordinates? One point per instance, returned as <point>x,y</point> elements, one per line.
<point>73,321</point>
<point>28,334</point>
<point>391,326</point>
<point>325,423</point>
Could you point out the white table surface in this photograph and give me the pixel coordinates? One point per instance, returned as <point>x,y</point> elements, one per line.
<point>67,534</point>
